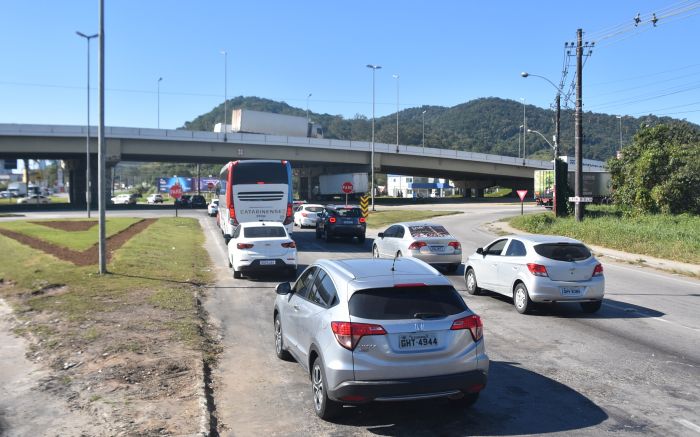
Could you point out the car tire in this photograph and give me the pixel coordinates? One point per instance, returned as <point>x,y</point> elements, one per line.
<point>237,274</point>
<point>324,407</point>
<point>470,281</point>
<point>521,299</point>
<point>591,307</point>
<point>451,268</point>
<point>227,238</point>
<point>465,401</point>
<point>280,350</point>
<point>361,239</point>
<point>375,251</point>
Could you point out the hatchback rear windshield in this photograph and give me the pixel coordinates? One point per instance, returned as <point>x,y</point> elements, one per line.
<point>349,212</point>
<point>428,231</point>
<point>417,302</point>
<point>314,209</point>
<point>264,232</point>
<point>563,251</point>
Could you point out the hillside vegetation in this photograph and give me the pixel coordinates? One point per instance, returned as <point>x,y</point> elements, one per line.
<point>486,125</point>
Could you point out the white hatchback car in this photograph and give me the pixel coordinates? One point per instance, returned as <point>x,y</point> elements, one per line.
<point>537,268</point>
<point>262,247</point>
<point>307,214</point>
<point>213,208</point>
<point>429,242</point>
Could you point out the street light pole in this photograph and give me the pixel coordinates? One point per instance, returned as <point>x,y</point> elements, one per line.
<point>223,52</point>
<point>88,196</point>
<point>396,76</point>
<point>524,126</point>
<point>307,108</point>
<point>374,71</point>
<point>424,131</point>
<point>101,146</point>
<point>159,80</point>
<point>620,118</point>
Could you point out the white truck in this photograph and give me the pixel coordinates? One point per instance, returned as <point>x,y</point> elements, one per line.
<point>258,122</point>
<point>333,184</point>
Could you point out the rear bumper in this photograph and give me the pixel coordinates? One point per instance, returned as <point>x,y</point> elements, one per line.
<point>543,289</point>
<point>431,258</point>
<point>280,265</point>
<point>347,230</point>
<point>409,389</point>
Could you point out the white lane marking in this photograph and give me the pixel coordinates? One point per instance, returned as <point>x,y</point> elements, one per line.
<point>688,424</point>
<point>644,269</point>
<point>649,317</point>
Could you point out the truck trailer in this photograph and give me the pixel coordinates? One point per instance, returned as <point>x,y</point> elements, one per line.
<point>333,184</point>
<point>269,123</point>
<point>596,184</point>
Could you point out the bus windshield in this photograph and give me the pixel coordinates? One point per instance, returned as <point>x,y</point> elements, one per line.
<point>259,173</point>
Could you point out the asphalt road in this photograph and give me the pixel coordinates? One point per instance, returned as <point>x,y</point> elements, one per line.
<point>632,369</point>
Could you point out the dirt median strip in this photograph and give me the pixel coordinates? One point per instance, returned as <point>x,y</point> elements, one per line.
<point>86,257</point>
<point>67,225</point>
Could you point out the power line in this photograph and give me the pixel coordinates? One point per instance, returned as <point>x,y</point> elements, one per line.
<point>658,73</point>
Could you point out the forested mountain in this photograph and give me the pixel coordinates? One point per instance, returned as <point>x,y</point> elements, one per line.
<point>487,125</point>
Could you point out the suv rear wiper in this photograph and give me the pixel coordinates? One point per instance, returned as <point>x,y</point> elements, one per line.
<point>425,316</point>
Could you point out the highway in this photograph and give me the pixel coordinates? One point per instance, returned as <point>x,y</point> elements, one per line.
<point>633,367</point>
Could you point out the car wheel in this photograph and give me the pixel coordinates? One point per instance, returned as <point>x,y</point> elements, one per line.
<point>360,239</point>
<point>280,349</point>
<point>591,307</point>
<point>451,268</point>
<point>237,274</point>
<point>470,280</point>
<point>521,299</point>
<point>324,407</point>
<point>465,401</point>
<point>227,238</point>
<point>375,251</point>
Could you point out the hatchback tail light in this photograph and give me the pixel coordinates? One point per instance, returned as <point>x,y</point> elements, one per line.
<point>537,269</point>
<point>472,323</point>
<point>244,246</point>
<point>332,220</point>
<point>363,220</point>
<point>416,245</point>
<point>349,334</point>
<point>289,245</point>
<point>303,214</point>
<point>598,270</point>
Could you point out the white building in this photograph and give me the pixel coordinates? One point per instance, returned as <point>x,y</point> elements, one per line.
<point>588,164</point>
<point>411,186</point>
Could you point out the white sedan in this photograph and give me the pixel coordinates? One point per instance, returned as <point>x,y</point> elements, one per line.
<point>262,247</point>
<point>213,208</point>
<point>537,268</point>
<point>306,215</point>
<point>429,242</point>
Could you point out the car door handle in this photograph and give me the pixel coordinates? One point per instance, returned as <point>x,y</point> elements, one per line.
<point>296,307</point>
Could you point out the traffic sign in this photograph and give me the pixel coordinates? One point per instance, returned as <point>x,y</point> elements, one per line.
<point>576,199</point>
<point>176,191</point>
<point>210,185</point>
<point>364,205</point>
<point>522,194</point>
<point>347,187</point>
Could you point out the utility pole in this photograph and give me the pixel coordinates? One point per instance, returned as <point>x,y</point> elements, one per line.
<point>396,76</point>
<point>555,210</point>
<point>101,146</point>
<point>578,136</point>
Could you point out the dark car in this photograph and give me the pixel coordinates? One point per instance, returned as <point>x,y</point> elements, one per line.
<point>184,201</point>
<point>198,201</point>
<point>341,221</point>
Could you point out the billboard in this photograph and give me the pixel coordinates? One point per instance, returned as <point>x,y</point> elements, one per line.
<point>165,183</point>
<point>204,183</point>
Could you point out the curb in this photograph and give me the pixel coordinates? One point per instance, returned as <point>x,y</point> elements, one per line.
<point>203,401</point>
<point>669,266</point>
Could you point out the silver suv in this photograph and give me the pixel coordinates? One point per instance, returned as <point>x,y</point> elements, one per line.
<point>380,330</point>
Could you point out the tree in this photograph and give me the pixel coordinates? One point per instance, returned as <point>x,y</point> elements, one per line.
<point>659,171</point>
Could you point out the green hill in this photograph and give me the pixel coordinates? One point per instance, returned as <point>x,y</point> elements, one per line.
<point>486,125</point>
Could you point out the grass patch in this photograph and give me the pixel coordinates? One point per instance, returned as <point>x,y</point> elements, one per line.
<point>500,192</point>
<point>380,219</point>
<point>663,236</point>
<point>76,240</point>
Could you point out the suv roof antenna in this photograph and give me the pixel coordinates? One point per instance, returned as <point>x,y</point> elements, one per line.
<point>393,264</point>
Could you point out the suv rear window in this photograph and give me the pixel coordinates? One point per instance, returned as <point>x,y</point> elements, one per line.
<point>264,232</point>
<point>348,212</point>
<point>563,251</point>
<point>396,303</point>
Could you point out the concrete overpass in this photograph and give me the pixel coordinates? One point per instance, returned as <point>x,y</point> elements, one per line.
<point>312,156</point>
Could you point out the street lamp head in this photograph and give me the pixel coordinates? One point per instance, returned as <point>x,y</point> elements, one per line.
<point>530,131</point>
<point>524,74</point>
<point>374,67</point>
<point>159,79</point>
<point>86,36</point>
<point>425,111</point>
<point>395,76</point>
<point>308,95</point>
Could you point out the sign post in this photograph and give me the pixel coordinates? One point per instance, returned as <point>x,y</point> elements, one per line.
<point>347,189</point>
<point>176,193</point>
<point>521,194</point>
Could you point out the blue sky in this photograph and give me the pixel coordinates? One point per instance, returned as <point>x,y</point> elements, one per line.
<point>446,53</point>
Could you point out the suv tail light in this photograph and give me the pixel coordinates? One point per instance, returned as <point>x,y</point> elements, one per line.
<point>244,245</point>
<point>537,269</point>
<point>332,220</point>
<point>416,245</point>
<point>349,334</point>
<point>363,220</point>
<point>289,245</point>
<point>472,323</point>
<point>598,270</point>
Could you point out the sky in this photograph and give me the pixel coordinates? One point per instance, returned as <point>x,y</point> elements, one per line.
<point>446,52</point>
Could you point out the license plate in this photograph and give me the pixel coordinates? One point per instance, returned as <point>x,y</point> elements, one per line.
<point>267,262</point>
<point>347,222</point>
<point>437,248</point>
<point>570,291</point>
<point>417,341</point>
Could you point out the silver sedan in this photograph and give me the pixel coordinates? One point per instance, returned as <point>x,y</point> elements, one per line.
<point>537,268</point>
<point>428,242</point>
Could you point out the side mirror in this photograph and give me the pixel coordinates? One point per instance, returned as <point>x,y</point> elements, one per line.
<point>380,235</point>
<point>284,288</point>
<point>480,251</point>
